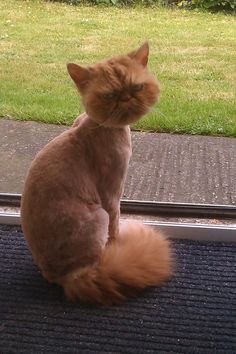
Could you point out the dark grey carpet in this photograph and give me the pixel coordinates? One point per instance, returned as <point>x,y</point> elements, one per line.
<point>194,313</point>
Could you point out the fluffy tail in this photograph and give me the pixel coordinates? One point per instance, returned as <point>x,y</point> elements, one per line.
<point>139,258</point>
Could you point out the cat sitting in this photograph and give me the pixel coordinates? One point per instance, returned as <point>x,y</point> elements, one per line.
<point>71,201</point>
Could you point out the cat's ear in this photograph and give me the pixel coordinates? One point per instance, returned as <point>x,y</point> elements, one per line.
<point>79,75</point>
<point>141,54</point>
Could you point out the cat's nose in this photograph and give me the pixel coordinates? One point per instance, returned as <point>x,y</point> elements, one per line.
<point>125,97</point>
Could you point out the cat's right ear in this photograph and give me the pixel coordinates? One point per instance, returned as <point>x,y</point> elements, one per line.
<point>79,75</point>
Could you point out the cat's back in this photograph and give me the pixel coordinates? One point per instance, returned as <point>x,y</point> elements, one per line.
<point>55,156</point>
<point>53,171</point>
<point>70,159</point>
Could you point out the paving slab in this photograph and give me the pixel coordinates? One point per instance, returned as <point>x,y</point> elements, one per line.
<point>164,167</point>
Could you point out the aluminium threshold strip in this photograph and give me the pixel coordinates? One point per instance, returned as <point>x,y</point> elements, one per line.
<point>175,230</point>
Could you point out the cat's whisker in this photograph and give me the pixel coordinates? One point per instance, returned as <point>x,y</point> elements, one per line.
<point>113,116</point>
<point>159,111</point>
<point>142,105</point>
<point>102,124</point>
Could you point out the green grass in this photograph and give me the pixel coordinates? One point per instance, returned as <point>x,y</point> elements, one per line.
<point>192,54</point>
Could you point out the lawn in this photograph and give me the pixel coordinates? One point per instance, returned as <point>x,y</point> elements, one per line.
<point>192,54</point>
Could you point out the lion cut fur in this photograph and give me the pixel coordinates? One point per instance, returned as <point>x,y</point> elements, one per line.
<point>70,206</point>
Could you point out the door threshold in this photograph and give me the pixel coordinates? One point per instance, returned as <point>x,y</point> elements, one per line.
<point>174,230</point>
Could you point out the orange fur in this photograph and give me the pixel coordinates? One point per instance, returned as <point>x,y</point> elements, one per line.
<point>138,258</point>
<point>70,205</point>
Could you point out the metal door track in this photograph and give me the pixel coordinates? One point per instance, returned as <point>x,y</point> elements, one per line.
<point>153,208</point>
<point>203,232</point>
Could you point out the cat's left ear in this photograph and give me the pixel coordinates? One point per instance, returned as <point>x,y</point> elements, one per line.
<point>141,54</point>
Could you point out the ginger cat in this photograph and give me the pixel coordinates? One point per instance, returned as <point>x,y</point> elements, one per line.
<point>71,201</point>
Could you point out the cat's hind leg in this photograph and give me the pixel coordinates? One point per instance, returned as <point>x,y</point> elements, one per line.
<point>78,235</point>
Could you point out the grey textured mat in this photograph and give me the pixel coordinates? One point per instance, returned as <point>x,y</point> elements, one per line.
<point>194,313</point>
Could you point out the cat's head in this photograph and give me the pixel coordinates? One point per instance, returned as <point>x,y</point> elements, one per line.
<point>118,91</point>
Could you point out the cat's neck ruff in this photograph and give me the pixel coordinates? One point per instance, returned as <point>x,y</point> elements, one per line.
<point>90,123</point>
